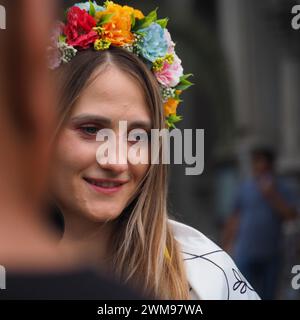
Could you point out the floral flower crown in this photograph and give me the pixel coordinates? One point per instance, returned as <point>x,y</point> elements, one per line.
<point>90,25</point>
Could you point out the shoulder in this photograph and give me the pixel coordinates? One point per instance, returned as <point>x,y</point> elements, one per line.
<point>211,272</point>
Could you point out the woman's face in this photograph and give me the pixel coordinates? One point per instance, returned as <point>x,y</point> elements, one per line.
<point>79,183</point>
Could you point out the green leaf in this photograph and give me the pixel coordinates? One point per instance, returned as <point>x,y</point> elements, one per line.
<point>186,76</point>
<point>140,33</point>
<point>92,11</point>
<point>163,22</point>
<point>152,16</point>
<point>62,38</point>
<point>105,19</point>
<point>132,20</point>
<point>145,22</point>
<point>184,86</point>
<point>66,15</point>
<point>139,24</point>
<point>172,119</point>
<point>184,83</point>
<point>170,125</point>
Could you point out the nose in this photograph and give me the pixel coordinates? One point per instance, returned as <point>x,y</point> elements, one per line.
<point>112,155</point>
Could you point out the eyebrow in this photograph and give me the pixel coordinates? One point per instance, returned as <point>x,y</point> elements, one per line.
<point>107,121</point>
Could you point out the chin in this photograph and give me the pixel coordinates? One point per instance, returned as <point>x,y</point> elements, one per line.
<point>103,214</point>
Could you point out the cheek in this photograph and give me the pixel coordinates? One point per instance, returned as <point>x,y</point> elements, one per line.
<point>73,155</point>
<point>139,171</point>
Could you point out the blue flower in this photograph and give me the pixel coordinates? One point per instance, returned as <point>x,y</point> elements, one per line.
<point>152,44</point>
<point>86,6</point>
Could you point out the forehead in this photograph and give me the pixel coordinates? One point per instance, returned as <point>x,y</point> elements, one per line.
<point>114,94</point>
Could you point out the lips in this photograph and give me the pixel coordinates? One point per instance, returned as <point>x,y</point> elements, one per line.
<point>106,186</point>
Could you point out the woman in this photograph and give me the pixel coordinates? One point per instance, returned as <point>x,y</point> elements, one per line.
<point>32,266</point>
<point>116,213</point>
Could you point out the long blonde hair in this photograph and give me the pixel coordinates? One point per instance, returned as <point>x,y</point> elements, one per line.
<point>145,252</point>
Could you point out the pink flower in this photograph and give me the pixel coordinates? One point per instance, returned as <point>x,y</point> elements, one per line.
<point>57,31</point>
<point>171,44</point>
<point>170,74</point>
<point>53,57</point>
<point>53,53</point>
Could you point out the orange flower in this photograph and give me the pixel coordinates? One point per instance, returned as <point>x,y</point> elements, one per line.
<point>118,29</point>
<point>170,107</point>
<point>137,13</point>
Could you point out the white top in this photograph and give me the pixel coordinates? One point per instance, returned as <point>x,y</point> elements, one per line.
<point>211,273</point>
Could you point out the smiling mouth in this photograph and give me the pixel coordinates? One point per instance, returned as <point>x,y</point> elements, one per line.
<point>104,185</point>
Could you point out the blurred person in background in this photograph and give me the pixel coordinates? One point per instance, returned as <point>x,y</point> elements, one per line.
<point>253,233</point>
<point>36,268</point>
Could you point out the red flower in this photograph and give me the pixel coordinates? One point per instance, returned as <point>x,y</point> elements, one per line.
<point>79,28</point>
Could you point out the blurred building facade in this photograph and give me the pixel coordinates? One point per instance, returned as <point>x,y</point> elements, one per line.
<point>262,52</point>
<point>246,67</point>
<point>264,73</point>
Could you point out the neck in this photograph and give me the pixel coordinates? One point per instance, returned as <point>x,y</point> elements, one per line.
<point>88,239</point>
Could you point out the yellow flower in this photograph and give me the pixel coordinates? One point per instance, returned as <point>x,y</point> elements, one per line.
<point>158,64</point>
<point>101,44</point>
<point>169,58</point>
<point>118,29</point>
<point>170,107</point>
<point>99,30</point>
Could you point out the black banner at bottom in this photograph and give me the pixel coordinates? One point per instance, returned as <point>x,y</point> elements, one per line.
<point>145,309</point>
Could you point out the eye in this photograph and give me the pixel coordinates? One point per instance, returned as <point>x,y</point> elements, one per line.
<point>135,137</point>
<point>89,130</point>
